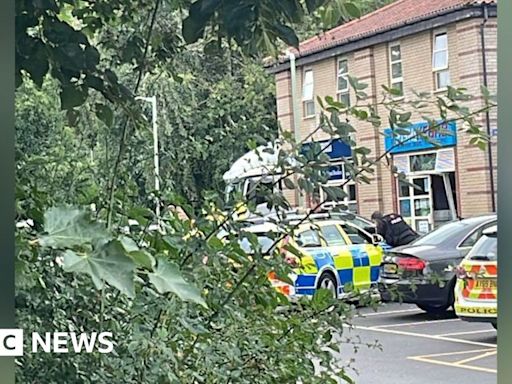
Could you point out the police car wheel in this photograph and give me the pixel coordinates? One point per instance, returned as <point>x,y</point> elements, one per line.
<point>327,281</point>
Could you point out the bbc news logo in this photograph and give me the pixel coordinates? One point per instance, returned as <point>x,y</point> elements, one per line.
<point>12,342</point>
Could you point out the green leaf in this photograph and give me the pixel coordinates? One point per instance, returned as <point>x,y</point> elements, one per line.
<point>73,116</point>
<point>129,244</point>
<point>105,114</point>
<point>143,258</point>
<point>289,184</point>
<point>109,264</point>
<point>72,96</point>
<point>404,117</point>
<point>168,278</point>
<point>334,193</point>
<point>353,10</point>
<point>287,34</point>
<point>68,226</point>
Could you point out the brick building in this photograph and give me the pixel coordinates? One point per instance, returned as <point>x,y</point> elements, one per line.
<point>420,45</point>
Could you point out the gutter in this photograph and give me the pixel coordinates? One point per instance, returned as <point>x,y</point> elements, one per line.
<point>487,117</point>
<point>295,112</point>
<point>385,35</point>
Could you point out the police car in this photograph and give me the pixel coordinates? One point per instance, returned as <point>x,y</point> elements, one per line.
<point>334,255</point>
<point>476,290</point>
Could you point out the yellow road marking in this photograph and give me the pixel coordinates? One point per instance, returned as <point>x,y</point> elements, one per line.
<point>472,367</point>
<point>461,362</point>
<point>457,353</point>
<point>441,338</point>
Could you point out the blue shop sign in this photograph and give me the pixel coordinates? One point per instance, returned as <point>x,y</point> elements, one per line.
<point>412,142</point>
<point>335,172</point>
<point>335,148</point>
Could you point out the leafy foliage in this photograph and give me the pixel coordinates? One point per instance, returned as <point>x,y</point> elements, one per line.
<point>178,293</point>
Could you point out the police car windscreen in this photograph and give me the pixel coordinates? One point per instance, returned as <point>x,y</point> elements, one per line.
<point>486,249</point>
<point>264,242</point>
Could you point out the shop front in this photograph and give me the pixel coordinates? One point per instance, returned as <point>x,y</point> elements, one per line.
<point>427,196</point>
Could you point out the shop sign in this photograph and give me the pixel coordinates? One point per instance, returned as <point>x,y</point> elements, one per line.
<point>335,149</point>
<point>413,142</point>
<point>335,172</point>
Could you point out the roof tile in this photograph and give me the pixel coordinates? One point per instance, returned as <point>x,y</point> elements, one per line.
<point>400,12</point>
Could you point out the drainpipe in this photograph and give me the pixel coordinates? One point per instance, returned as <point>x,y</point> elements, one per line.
<point>295,113</point>
<point>487,117</point>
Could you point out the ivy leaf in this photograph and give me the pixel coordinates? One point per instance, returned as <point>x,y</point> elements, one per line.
<point>109,264</point>
<point>168,278</point>
<point>68,226</point>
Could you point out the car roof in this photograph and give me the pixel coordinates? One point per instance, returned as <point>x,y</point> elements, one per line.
<point>479,219</point>
<point>491,231</point>
<point>271,227</point>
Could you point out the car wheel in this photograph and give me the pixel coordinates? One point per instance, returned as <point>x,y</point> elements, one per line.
<point>327,281</point>
<point>441,308</point>
<point>434,309</point>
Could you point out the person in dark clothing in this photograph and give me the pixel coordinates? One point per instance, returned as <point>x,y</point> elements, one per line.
<point>394,229</point>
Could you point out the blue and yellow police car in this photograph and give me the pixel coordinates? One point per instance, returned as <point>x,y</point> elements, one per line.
<point>330,254</point>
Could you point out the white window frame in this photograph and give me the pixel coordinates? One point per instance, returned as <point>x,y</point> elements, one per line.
<point>400,79</point>
<point>305,100</point>
<point>344,91</point>
<point>337,183</point>
<point>446,68</point>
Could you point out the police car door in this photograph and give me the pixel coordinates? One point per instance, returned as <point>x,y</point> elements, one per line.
<point>366,257</point>
<point>337,245</point>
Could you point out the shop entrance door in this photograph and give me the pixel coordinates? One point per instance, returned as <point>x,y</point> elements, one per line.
<point>416,203</point>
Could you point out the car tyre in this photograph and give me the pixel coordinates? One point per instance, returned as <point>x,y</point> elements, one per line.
<point>442,308</point>
<point>434,309</point>
<point>328,281</point>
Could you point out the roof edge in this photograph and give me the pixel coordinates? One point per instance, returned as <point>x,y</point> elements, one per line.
<point>471,10</point>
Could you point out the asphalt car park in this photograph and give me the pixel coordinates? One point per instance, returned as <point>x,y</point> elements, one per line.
<point>401,344</point>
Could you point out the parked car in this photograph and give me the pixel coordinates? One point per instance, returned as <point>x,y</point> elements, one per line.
<point>423,272</point>
<point>329,257</point>
<point>476,290</point>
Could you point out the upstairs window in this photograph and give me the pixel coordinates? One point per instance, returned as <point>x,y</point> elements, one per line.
<point>343,86</point>
<point>395,68</point>
<point>440,61</point>
<point>308,101</point>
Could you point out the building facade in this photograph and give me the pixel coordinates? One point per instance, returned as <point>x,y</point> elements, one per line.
<point>409,45</point>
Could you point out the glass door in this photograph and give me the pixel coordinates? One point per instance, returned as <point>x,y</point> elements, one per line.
<point>415,201</point>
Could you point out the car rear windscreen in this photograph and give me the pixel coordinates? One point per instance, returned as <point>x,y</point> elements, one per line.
<point>486,249</point>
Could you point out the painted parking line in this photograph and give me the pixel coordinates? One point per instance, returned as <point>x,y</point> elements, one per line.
<point>425,322</point>
<point>420,335</point>
<point>468,332</point>
<point>482,353</point>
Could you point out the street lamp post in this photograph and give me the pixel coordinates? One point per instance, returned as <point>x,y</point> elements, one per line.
<point>152,100</point>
